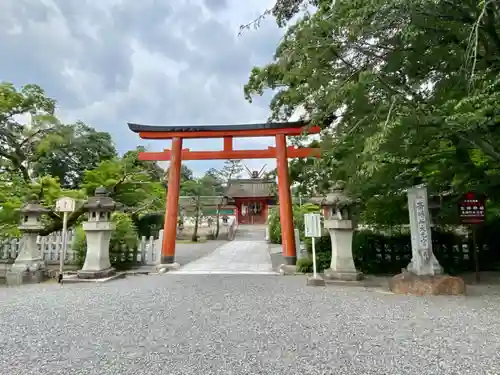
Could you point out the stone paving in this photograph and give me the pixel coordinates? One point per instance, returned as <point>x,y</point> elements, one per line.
<point>247,254</point>
<point>186,253</point>
<point>242,324</point>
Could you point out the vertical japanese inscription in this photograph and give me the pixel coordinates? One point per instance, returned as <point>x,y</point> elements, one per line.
<point>422,226</point>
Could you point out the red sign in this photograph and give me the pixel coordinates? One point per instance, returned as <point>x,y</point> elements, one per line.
<point>472,209</point>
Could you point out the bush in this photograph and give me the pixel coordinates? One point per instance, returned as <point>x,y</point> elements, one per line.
<point>274,223</point>
<point>123,244</point>
<point>304,265</point>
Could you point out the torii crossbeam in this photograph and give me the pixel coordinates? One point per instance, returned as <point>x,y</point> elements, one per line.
<point>227,132</point>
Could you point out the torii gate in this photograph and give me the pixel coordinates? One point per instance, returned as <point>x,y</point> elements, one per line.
<point>281,152</point>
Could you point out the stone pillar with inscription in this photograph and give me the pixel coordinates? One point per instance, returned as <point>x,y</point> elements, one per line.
<point>423,275</point>
<point>423,261</point>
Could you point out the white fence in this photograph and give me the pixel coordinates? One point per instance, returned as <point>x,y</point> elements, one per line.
<point>51,245</point>
<point>148,249</point>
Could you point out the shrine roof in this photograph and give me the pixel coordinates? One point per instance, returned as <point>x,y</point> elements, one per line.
<point>250,188</point>
<point>139,128</point>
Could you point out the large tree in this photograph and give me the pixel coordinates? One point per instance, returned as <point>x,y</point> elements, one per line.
<point>31,138</point>
<point>409,92</point>
<point>79,148</point>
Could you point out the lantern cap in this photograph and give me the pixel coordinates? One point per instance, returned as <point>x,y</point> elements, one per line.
<point>101,201</point>
<point>33,207</point>
<point>336,197</point>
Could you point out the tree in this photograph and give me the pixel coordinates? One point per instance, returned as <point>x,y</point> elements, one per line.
<point>408,92</point>
<point>29,162</point>
<point>231,169</point>
<point>79,148</point>
<point>19,142</point>
<point>150,167</point>
<point>128,184</point>
<point>196,189</point>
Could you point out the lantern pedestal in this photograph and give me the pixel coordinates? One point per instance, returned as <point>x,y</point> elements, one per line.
<point>97,264</point>
<point>29,266</point>
<point>342,265</point>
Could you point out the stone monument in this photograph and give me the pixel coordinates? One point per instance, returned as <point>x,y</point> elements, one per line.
<point>423,275</point>
<point>337,208</point>
<point>423,261</point>
<point>29,266</point>
<point>98,229</point>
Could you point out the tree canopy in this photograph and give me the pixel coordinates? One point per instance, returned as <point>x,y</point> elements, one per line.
<point>408,89</point>
<point>42,157</point>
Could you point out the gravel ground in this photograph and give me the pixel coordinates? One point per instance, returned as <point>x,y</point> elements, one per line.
<point>194,324</point>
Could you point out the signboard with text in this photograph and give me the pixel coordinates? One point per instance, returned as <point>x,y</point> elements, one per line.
<point>65,204</point>
<point>472,208</point>
<point>312,225</point>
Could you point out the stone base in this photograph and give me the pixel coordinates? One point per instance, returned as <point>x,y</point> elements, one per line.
<point>96,274</point>
<point>286,269</point>
<point>344,276</point>
<point>315,281</point>
<point>409,283</point>
<point>290,261</point>
<point>162,268</point>
<point>15,277</point>
<point>74,279</point>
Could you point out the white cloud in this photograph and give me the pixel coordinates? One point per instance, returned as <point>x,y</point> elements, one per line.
<point>111,62</point>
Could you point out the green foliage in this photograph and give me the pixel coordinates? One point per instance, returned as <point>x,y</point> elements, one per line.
<point>129,184</point>
<point>42,157</point>
<point>123,244</point>
<point>79,245</point>
<point>274,224</point>
<point>304,265</point>
<point>407,91</point>
<point>70,150</point>
<point>377,253</point>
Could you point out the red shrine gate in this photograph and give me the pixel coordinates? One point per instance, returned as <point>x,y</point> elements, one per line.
<point>281,152</point>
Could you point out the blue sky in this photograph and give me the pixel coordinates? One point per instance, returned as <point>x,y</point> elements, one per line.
<point>109,62</point>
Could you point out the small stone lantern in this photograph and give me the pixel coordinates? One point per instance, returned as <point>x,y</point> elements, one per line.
<point>337,209</point>
<point>29,266</point>
<point>98,229</point>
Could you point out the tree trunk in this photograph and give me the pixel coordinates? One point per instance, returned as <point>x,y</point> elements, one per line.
<point>217,225</point>
<point>197,216</point>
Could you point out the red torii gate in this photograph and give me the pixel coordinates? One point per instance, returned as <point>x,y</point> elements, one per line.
<point>227,132</point>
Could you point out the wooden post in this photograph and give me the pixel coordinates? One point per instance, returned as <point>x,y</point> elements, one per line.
<point>172,209</point>
<point>285,201</point>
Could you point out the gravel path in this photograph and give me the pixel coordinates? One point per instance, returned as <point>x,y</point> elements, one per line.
<point>220,324</point>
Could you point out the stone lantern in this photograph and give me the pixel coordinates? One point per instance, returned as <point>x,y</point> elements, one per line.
<point>98,229</point>
<point>29,266</point>
<point>337,210</point>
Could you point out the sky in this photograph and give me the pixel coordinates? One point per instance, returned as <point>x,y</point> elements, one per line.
<point>158,62</point>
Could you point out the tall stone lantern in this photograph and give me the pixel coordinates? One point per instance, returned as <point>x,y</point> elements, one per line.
<point>337,209</point>
<point>98,229</point>
<point>29,266</point>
